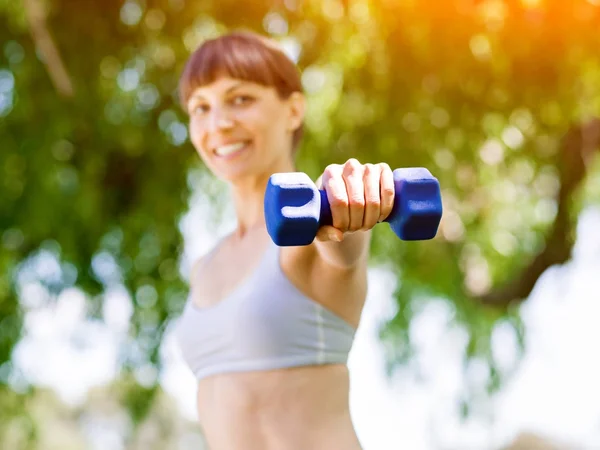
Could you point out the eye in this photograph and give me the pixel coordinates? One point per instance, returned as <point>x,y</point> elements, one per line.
<point>198,110</point>
<point>240,100</point>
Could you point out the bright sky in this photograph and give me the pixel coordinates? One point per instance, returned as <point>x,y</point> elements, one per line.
<point>552,392</point>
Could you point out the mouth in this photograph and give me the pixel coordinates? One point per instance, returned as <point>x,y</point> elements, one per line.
<point>231,149</point>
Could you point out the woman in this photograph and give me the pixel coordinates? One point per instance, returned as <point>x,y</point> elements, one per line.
<point>267,330</point>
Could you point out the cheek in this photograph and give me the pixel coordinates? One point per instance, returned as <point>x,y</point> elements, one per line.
<point>268,127</point>
<point>196,135</point>
<point>193,130</point>
<point>197,138</point>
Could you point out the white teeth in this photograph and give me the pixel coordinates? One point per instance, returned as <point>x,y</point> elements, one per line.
<point>229,149</point>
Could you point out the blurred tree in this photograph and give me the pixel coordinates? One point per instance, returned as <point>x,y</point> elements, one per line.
<point>498,98</point>
<point>101,422</point>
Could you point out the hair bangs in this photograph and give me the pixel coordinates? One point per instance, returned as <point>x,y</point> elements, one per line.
<point>236,56</point>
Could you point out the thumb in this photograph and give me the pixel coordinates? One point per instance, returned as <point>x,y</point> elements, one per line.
<point>329,233</point>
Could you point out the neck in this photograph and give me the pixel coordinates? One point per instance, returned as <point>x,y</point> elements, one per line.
<point>249,197</point>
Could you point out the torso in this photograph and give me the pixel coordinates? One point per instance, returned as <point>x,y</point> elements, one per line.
<point>282,409</point>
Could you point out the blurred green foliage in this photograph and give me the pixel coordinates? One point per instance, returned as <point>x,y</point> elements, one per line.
<point>497,98</point>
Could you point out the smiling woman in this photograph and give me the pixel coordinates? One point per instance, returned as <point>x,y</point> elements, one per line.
<point>242,56</point>
<point>244,97</point>
<point>267,330</point>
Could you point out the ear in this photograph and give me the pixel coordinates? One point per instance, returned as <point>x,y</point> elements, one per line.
<point>296,110</point>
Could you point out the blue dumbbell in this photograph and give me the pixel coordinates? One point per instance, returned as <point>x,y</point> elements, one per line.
<point>295,208</point>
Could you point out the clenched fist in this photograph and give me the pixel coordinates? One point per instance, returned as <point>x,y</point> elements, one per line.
<point>360,196</point>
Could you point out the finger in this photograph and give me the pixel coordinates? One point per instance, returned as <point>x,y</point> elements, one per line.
<point>387,191</point>
<point>335,187</point>
<point>371,181</point>
<point>355,188</point>
<point>328,233</point>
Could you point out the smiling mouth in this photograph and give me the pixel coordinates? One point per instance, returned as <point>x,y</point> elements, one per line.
<point>227,150</point>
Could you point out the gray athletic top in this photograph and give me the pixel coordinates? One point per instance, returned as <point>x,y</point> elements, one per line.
<point>266,323</point>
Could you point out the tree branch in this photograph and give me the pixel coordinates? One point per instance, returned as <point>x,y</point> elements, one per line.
<point>575,152</point>
<point>45,44</point>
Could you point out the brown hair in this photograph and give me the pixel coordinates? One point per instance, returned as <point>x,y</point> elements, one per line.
<point>243,55</point>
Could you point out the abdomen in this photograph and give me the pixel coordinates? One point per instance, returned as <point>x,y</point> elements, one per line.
<point>284,409</point>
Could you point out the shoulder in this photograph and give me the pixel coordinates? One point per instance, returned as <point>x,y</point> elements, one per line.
<point>196,269</point>
<point>199,264</point>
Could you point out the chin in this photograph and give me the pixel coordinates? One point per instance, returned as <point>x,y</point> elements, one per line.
<point>252,168</point>
<point>236,174</point>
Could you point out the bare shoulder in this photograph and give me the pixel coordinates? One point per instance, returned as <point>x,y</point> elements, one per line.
<point>196,269</point>
<point>341,289</point>
<point>200,263</point>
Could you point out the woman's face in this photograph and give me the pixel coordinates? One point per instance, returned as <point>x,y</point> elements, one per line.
<point>241,128</point>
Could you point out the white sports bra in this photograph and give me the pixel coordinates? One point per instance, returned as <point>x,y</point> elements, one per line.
<point>266,323</point>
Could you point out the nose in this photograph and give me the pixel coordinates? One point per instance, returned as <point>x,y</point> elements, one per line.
<point>219,120</point>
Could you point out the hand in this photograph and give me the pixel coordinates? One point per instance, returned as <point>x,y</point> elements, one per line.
<point>360,196</point>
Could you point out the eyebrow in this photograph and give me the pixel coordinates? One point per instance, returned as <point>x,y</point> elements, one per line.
<point>229,89</point>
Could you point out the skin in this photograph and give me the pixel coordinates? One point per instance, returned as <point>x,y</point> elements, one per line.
<point>302,407</point>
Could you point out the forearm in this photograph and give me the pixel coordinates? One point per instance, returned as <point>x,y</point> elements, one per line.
<point>351,251</point>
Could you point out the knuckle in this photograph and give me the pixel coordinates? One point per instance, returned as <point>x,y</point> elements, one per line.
<point>332,169</point>
<point>384,166</point>
<point>370,169</point>
<point>352,166</point>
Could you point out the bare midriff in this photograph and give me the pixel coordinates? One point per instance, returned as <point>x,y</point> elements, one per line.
<point>301,408</point>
